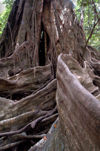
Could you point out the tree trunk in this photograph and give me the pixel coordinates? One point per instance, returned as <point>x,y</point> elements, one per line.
<point>37,32</point>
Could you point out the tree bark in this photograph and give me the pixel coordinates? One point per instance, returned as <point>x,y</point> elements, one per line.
<point>37,32</point>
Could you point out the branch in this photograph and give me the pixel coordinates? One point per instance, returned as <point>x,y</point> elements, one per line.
<point>95,24</point>
<point>95,9</point>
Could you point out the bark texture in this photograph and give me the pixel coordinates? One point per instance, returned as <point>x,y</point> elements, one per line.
<point>77,108</point>
<point>35,89</point>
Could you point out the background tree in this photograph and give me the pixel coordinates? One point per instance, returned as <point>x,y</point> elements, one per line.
<point>4,15</point>
<point>88,13</point>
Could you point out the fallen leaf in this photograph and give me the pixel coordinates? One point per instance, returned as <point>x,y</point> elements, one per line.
<point>45,138</point>
<point>55,125</point>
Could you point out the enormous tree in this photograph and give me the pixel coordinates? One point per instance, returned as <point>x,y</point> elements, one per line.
<point>36,33</point>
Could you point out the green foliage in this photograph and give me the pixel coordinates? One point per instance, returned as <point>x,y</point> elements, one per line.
<point>91,13</point>
<point>4,15</point>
